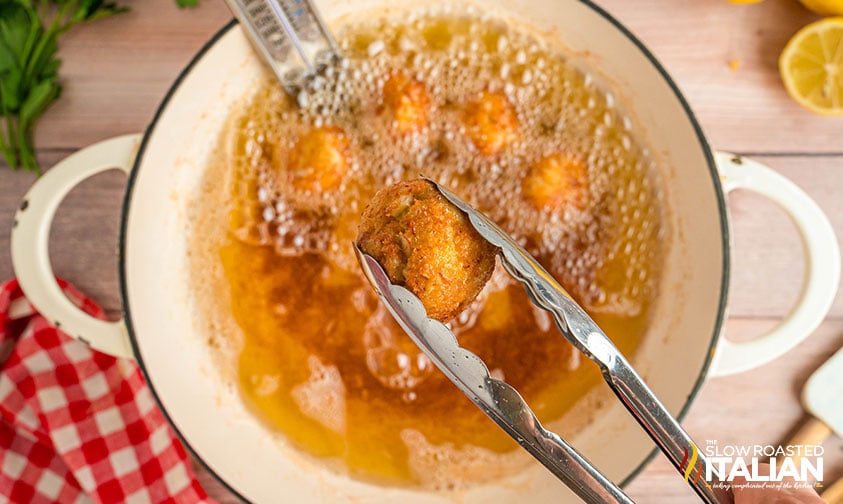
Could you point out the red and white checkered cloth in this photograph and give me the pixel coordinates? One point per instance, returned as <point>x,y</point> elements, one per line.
<point>77,425</point>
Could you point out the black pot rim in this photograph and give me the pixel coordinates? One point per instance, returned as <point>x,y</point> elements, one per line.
<point>721,203</point>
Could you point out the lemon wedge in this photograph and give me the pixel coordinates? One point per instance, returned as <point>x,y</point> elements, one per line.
<point>825,7</point>
<point>811,67</point>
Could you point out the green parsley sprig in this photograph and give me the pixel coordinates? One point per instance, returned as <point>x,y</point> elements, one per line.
<point>29,84</point>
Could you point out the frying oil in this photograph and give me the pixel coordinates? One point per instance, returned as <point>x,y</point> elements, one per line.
<point>321,361</point>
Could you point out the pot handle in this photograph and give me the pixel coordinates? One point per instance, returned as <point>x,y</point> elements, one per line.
<point>822,266</point>
<point>31,235</point>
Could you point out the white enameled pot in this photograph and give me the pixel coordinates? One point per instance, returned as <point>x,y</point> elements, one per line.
<point>165,166</point>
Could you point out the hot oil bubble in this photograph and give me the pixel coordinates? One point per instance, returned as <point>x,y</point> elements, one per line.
<point>322,396</point>
<point>391,357</point>
<point>450,467</point>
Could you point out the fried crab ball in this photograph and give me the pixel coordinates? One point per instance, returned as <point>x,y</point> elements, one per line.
<point>407,102</point>
<point>490,122</point>
<point>556,181</point>
<point>427,245</point>
<point>319,159</point>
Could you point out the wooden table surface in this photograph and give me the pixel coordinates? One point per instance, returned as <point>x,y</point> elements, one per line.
<point>117,70</point>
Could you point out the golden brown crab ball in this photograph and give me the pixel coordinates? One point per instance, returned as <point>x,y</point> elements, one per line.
<point>319,159</point>
<point>407,102</point>
<point>491,122</point>
<point>556,181</point>
<point>427,245</point>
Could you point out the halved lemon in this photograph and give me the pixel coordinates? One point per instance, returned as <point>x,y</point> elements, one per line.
<point>811,67</point>
<point>825,7</point>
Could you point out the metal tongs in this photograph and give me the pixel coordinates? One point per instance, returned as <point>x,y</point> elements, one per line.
<point>503,404</point>
<point>291,37</point>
